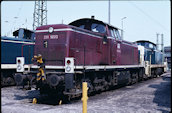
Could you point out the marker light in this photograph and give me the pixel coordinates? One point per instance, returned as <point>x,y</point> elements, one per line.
<point>19,61</point>
<point>69,65</point>
<point>68,62</point>
<point>20,64</point>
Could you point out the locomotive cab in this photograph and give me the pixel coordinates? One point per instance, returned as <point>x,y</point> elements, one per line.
<point>24,34</point>
<point>92,25</point>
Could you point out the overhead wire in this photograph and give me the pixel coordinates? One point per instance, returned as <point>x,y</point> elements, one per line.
<point>147,15</point>
<point>17,16</point>
<point>151,18</point>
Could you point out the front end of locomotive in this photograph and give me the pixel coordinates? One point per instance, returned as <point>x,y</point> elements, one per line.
<point>52,42</point>
<point>53,67</point>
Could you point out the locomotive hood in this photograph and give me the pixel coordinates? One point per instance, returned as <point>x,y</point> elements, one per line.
<point>51,43</point>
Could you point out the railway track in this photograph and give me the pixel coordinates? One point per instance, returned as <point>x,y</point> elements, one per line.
<point>152,95</point>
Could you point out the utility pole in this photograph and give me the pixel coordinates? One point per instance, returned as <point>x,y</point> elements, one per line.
<point>109,11</point>
<point>162,46</point>
<point>122,31</point>
<point>162,42</point>
<point>40,13</point>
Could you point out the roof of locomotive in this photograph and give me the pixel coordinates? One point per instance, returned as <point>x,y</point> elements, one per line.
<point>145,41</point>
<point>84,20</point>
<point>15,33</point>
<point>19,38</point>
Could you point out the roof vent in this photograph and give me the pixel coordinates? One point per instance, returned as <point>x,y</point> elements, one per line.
<point>92,17</point>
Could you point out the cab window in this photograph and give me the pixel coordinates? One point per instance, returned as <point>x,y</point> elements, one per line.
<point>117,35</point>
<point>82,26</point>
<point>147,45</point>
<point>98,28</point>
<point>151,46</point>
<point>111,32</point>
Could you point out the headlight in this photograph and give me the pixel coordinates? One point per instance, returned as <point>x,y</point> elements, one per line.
<point>51,29</point>
<point>68,68</point>
<point>19,67</point>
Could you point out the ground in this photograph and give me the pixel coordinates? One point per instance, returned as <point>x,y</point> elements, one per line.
<point>151,96</point>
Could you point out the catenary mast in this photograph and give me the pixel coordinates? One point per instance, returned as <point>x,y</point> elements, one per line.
<point>40,13</point>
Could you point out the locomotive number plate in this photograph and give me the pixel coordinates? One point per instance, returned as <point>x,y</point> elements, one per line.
<point>50,36</point>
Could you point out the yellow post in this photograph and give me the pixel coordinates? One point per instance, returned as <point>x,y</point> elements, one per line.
<point>34,101</point>
<point>60,102</point>
<point>84,97</point>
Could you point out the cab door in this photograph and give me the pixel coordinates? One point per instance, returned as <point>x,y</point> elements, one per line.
<point>115,46</point>
<point>113,51</point>
<point>105,51</point>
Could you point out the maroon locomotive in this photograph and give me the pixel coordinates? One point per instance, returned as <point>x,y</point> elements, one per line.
<point>93,40</point>
<point>86,50</point>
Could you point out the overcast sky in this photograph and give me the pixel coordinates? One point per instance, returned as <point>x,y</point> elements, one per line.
<point>144,18</point>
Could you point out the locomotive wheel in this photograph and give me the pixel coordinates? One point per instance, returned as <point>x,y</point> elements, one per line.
<point>141,78</point>
<point>129,79</point>
<point>10,81</point>
<point>134,77</point>
<point>137,77</point>
<point>158,71</point>
<point>153,73</point>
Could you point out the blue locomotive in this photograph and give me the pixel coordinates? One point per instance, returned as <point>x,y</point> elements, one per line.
<point>150,49</point>
<point>22,44</point>
<point>152,55</point>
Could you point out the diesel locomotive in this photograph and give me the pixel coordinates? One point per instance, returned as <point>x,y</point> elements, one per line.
<point>11,47</point>
<point>88,50</point>
<point>154,56</point>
